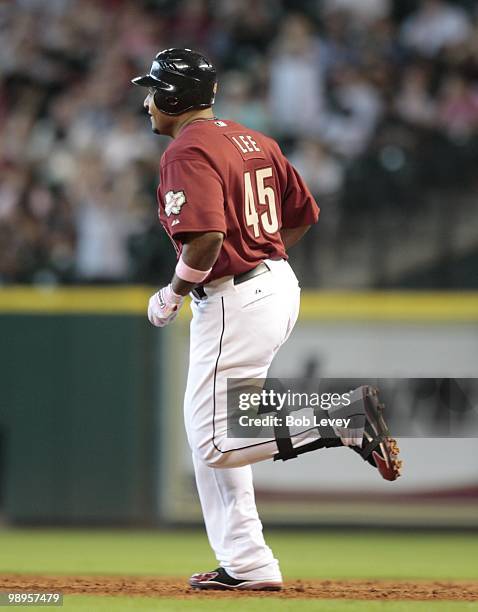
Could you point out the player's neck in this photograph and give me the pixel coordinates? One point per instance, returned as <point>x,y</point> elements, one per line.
<point>196,115</point>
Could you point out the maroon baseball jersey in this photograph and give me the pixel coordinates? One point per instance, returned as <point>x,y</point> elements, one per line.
<point>220,176</point>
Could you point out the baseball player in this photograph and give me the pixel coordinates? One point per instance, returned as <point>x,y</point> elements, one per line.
<point>232,206</point>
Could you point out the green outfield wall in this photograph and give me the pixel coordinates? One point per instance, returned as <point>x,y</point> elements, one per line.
<point>77,417</point>
<point>90,400</point>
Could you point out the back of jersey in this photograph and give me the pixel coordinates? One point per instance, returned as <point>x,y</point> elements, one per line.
<point>236,181</point>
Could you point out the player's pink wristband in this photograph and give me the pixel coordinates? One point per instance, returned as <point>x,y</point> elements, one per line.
<point>188,274</point>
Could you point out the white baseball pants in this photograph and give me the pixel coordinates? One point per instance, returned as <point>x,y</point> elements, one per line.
<point>235,333</point>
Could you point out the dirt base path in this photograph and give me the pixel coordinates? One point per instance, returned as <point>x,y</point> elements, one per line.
<point>307,589</point>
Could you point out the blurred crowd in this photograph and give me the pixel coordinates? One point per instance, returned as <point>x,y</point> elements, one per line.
<point>326,78</point>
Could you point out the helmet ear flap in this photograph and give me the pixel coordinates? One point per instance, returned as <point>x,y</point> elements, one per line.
<point>157,99</point>
<point>166,104</point>
<point>172,101</point>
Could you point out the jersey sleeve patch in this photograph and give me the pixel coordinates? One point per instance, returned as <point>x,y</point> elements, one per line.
<point>173,202</point>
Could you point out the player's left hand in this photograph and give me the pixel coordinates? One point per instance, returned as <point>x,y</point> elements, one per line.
<point>164,306</point>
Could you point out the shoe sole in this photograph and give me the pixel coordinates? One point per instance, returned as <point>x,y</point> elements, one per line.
<point>390,465</point>
<point>259,585</point>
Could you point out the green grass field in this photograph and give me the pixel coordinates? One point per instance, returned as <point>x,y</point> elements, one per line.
<point>303,555</point>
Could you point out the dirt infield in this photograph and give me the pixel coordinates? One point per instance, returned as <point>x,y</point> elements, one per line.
<point>307,589</point>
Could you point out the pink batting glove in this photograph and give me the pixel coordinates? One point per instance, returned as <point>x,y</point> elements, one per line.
<point>164,306</point>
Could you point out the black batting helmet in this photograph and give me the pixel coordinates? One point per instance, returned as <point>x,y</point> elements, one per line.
<point>181,79</point>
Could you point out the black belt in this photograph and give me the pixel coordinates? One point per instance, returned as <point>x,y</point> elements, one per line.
<point>262,268</point>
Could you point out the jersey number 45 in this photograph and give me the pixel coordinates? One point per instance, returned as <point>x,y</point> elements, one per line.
<point>266,196</point>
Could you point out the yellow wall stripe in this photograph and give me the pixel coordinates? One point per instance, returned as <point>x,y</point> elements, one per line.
<point>316,306</point>
<point>391,306</point>
<point>87,300</point>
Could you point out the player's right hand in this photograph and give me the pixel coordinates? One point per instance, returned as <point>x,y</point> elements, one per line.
<point>164,306</point>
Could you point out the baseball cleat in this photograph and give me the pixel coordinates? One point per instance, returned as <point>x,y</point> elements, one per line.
<point>220,580</point>
<point>378,446</point>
